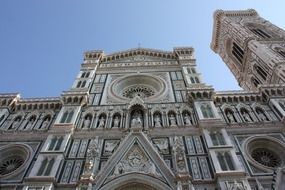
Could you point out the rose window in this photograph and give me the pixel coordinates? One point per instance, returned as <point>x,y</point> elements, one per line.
<point>266,157</point>
<point>10,164</point>
<point>144,86</point>
<point>264,152</point>
<point>138,90</point>
<point>14,159</point>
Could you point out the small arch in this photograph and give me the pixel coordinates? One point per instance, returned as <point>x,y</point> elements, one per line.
<point>187,120</point>
<point>102,120</point>
<point>231,118</point>
<point>261,114</point>
<point>172,118</point>
<point>157,119</point>
<point>116,120</point>
<point>245,114</point>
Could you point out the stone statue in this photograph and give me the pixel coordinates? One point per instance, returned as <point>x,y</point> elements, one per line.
<point>187,119</point>
<point>30,123</point>
<point>116,121</point>
<point>136,119</point>
<point>157,121</point>
<point>101,122</point>
<point>45,123</point>
<point>15,123</point>
<point>246,117</point>
<point>86,122</point>
<point>262,116</point>
<point>230,117</point>
<point>119,169</point>
<point>172,120</point>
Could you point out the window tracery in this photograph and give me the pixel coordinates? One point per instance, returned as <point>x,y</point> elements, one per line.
<point>138,90</point>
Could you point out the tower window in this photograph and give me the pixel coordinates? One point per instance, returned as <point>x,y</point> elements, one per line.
<point>260,33</point>
<point>261,72</point>
<point>255,82</point>
<point>237,52</point>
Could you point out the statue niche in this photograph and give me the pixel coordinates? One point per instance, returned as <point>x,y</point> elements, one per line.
<point>136,118</point>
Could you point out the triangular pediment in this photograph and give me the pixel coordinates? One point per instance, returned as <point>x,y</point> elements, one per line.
<point>139,54</point>
<point>136,155</point>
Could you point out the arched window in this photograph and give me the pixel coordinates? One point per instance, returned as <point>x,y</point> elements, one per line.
<point>192,80</point>
<point>188,70</point>
<point>83,84</point>
<point>83,75</point>
<point>78,84</point>
<point>46,167</point>
<point>49,167</point>
<point>255,82</point>
<point>207,111</point>
<point>67,117</point>
<point>43,166</point>
<point>52,143</point>
<point>261,72</point>
<point>193,70</point>
<point>225,161</point>
<point>197,80</point>
<point>64,116</point>
<point>58,143</point>
<point>70,115</point>
<point>217,138</point>
<point>260,32</point>
<point>87,74</point>
<point>237,52</point>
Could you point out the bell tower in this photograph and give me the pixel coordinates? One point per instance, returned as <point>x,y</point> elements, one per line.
<point>252,47</point>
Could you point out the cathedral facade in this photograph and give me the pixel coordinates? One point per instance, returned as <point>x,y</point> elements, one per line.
<point>142,119</point>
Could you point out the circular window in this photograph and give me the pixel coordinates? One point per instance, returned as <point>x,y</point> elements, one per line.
<point>142,85</point>
<point>13,159</point>
<point>266,157</point>
<point>265,152</point>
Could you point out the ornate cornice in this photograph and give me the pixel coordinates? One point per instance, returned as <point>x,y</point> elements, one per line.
<point>219,15</point>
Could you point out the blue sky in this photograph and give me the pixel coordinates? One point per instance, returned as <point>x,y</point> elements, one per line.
<point>42,42</point>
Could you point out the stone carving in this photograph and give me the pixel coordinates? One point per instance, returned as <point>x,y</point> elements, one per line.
<point>246,117</point>
<point>101,122</point>
<point>162,145</point>
<point>87,122</point>
<point>172,120</point>
<point>187,119</point>
<point>135,161</point>
<point>16,123</point>
<point>235,186</point>
<point>110,146</point>
<point>157,120</point>
<point>116,121</point>
<point>261,115</point>
<point>231,117</point>
<point>178,149</point>
<point>30,123</point>
<point>45,123</point>
<point>136,119</point>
